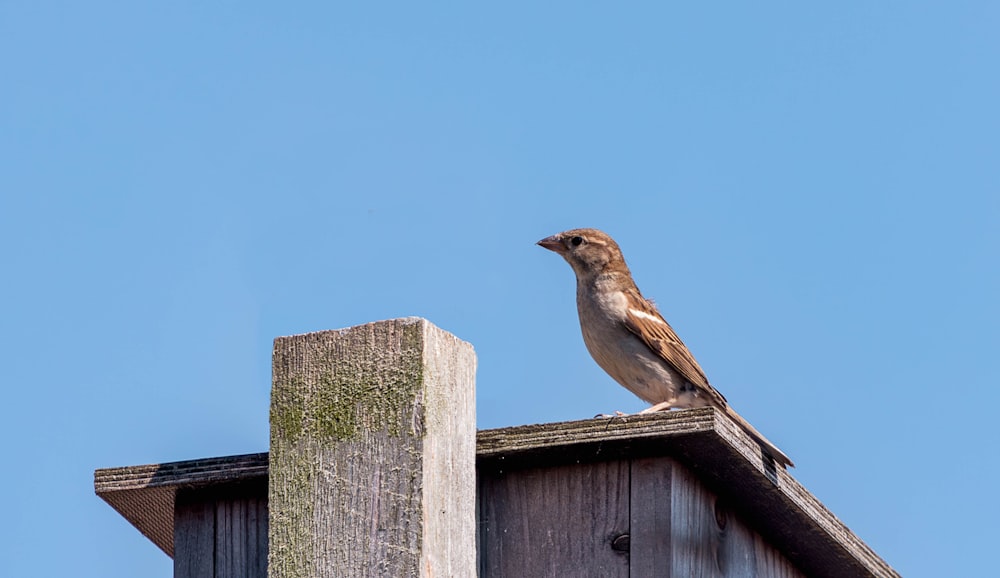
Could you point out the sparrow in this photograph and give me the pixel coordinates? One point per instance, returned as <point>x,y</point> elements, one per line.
<point>629,339</point>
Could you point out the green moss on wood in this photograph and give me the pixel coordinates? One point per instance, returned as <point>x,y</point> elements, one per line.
<point>292,510</point>
<point>342,392</point>
<point>361,386</point>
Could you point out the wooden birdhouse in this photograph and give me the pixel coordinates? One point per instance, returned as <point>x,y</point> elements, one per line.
<point>375,468</point>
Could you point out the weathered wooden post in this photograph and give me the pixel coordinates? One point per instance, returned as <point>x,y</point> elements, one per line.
<point>372,463</point>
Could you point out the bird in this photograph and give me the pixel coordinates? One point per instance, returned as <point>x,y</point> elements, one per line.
<point>629,338</point>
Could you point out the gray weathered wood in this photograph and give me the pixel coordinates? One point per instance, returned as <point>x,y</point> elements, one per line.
<point>724,458</point>
<point>781,512</point>
<point>221,533</point>
<point>708,540</point>
<point>554,522</point>
<point>257,538</point>
<point>649,525</point>
<point>194,540</point>
<point>680,528</point>
<point>694,536</point>
<point>372,467</point>
<point>241,537</point>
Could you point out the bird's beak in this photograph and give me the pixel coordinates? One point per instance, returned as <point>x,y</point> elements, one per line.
<point>553,243</point>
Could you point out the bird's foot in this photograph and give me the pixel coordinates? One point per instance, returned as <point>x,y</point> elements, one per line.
<point>662,406</point>
<point>610,415</point>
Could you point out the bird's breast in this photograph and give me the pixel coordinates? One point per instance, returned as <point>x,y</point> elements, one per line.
<point>621,353</point>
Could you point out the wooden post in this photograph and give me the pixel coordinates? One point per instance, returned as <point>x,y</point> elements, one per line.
<point>372,464</point>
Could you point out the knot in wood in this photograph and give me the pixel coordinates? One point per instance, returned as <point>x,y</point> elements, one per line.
<point>720,514</point>
<point>621,543</point>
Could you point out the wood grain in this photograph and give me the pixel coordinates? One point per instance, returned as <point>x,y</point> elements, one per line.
<point>372,453</point>
<point>194,540</point>
<point>221,533</point>
<point>241,537</point>
<point>709,539</point>
<point>650,510</point>
<point>553,522</point>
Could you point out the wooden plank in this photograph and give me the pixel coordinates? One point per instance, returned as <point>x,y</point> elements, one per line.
<point>554,522</point>
<point>200,472</point>
<point>693,536</point>
<point>218,532</point>
<point>551,439</point>
<point>708,539</point>
<point>229,554</point>
<point>372,464</point>
<point>239,557</point>
<point>650,515</point>
<point>194,539</point>
<point>741,551</point>
<point>239,551</point>
<point>259,567</point>
<point>257,537</point>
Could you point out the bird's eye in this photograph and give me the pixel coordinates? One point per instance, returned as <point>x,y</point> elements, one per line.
<point>576,241</point>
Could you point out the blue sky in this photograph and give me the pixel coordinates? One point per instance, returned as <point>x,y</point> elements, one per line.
<point>810,193</point>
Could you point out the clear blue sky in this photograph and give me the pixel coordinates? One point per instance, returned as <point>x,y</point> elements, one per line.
<point>810,193</point>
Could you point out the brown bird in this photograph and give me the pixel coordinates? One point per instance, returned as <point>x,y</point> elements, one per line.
<point>629,339</point>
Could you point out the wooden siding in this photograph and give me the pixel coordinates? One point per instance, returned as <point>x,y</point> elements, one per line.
<point>557,521</point>
<point>677,477</point>
<point>221,534</point>
<point>628,518</point>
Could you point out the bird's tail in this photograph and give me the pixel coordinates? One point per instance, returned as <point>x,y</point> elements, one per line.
<point>769,448</point>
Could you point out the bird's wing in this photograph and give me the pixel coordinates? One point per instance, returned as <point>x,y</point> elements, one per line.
<point>647,323</point>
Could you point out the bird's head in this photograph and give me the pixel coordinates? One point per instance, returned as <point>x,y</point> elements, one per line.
<point>590,252</point>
